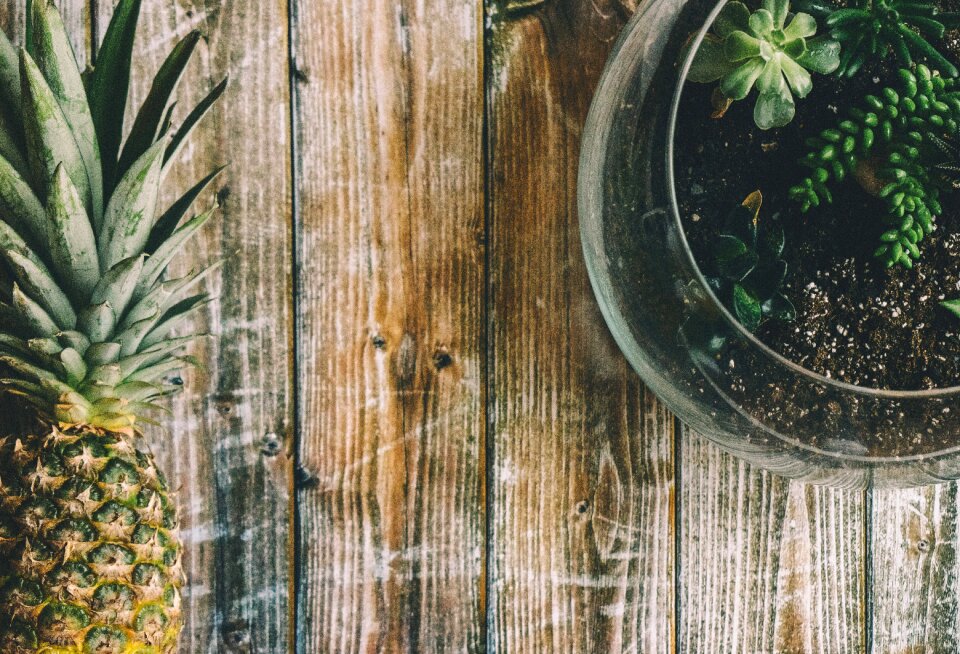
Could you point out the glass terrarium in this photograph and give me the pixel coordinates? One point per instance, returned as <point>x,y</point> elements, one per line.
<point>818,410</point>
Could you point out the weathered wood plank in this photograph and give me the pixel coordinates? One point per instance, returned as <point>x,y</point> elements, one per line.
<point>766,565</point>
<point>230,448</point>
<point>389,112</point>
<point>915,579</point>
<point>582,480</point>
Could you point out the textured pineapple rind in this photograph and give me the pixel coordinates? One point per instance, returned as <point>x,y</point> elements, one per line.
<point>91,555</point>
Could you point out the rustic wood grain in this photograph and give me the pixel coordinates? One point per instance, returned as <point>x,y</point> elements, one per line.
<point>914,570</point>
<point>766,565</point>
<point>581,491</point>
<point>230,447</point>
<point>389,114</point>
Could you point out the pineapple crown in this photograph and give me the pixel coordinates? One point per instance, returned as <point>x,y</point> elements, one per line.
<point>86,306</point>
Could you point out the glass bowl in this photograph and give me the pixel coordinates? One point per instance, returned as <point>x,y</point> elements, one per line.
<point>686,346</point>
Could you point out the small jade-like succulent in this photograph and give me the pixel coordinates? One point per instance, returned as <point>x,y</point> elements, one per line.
<point>894,146</point>
<point>771,49</point>
<point>748,270</point>
<point>875,28</point>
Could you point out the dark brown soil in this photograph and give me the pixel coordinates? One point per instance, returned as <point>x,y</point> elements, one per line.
<point>857,322</point>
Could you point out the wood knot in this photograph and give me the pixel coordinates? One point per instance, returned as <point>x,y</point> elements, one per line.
<point>582,506</point>
<point>236,636</point>
<point>923,545</point>
<point>442,358</point>
<point>270,444</point>
<point>379,342</point>
<point>303,479</point>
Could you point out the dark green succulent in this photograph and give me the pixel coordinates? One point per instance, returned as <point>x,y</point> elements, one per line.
<point>771,49</point>
<point>748,269</point>
<point>875,28</point>
<point>946,157</point>
<point>892,145</point>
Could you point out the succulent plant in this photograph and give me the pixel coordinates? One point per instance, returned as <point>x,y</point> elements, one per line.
<point>892,145</point>
<point>946,154</point>
<point>771,49</point>
<point>748,269</point>
<point>875,28</point>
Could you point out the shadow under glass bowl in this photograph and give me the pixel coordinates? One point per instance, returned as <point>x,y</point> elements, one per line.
<point>746,398</point>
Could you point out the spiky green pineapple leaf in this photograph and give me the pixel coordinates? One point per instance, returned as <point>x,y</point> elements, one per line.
<point>70,239</point>
<point>146,127</point>
<point>37,282</point>
<point>21,208</point>
<point>117,286</point>
<point>98,322</point>
<point>10,94</point>
<point>157,264</point>
<point>193,119</point>
<point>173,318</point>
<point>130,213</point>
<point>167,224</point>
<point>50,140</point>
<point>55,58</point>
<point>33,315</point>
<point>12,147</point>
<point>101,354</point>
<point>110,83</point>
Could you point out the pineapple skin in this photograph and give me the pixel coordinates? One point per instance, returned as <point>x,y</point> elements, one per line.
<point>90,554</point>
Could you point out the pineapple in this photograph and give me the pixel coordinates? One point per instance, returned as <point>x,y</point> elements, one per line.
<point>90,558</point>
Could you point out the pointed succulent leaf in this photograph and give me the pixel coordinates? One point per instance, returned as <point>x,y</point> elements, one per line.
<point>798,78</point>
<point>33,315</point>
<point>98,321</point>
<point>709,63</point>
<point>50,140</point>
<point>132,209</point>
<point>740,45</point>
<point>110,82</point>
<point>778,11</point>
<point>771,78</point>
<point>192,120</point>
<point>117,286</point>
<point>167,224</point>
<point>774,109</point>
<point>734,16</point>
<point>953,306</point>
<point>146,127</point>
<point>780,308</point>
<point>70,238</point>
<point>40,285</point>
<point>822,55</point>
<point>156,264</point>
<point>55,58</point>
<point>746,308</point>
<point>771,241</point>
<point>737,84</point>
<point>761,23</point>
<point>802,26</point>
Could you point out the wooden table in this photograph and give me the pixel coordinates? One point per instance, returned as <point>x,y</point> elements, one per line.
<point>414,433</point>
